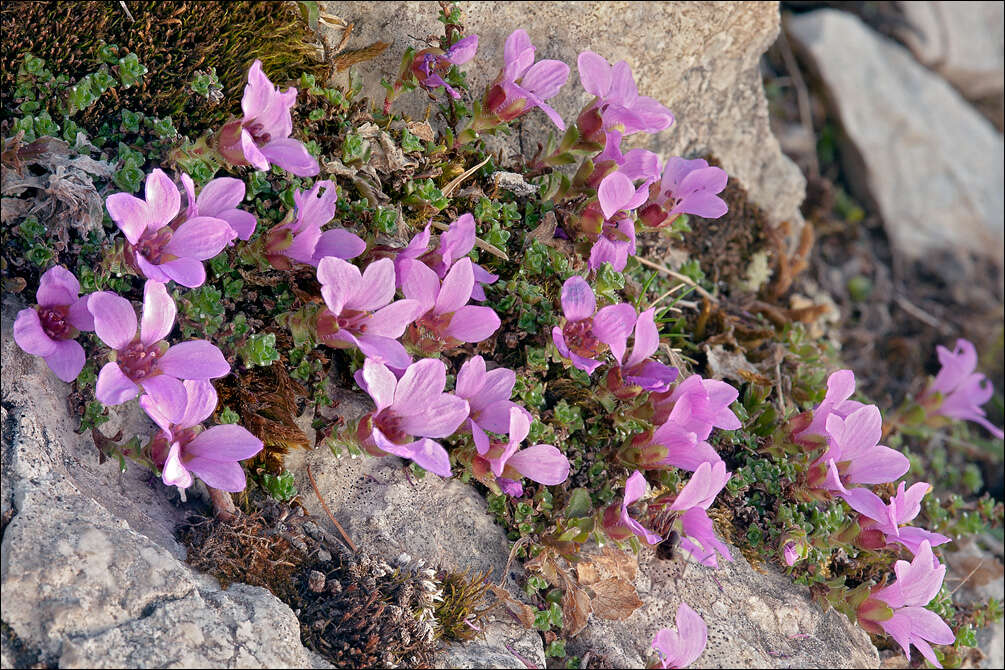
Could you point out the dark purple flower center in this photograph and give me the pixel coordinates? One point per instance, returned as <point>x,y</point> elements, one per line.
<point>611,229</point>
<point>55,323</point>
<point>258,133</point>
<point>352,320</point>
<point>139,361</point>
<point>389,424</point>
<point>152,244</point>
<point>580,339</point>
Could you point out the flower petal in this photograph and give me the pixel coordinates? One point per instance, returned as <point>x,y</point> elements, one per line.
<point>57,286</point>
<point>114,319</point>
<point>545,78</point>
<point>379,383</point>
<point>165,390</point>
<point>392,320</point>
<point>195,359</point>
<point>222,475</point>
<point>163,199</point>
<point>376,288</point>
<point>420,283</point>
<point>615,192</point>
<point>201,401</point>
<point>338,243</point>
<point>578,301</point>
<point>80,316</point>
<point>158,313</point>
<point>174,472</point>
<point>30,336</point>
<point>612,324</point>
<point>130,214</point>
<point>200,238</point>
<point>229,442</point>
<point>292,156</point>
<point>456,288</point>
<point>422,381</point>
<point>113,387</point>
<point>185,271</point>
<point>541,463</point>
<point>67,360</point>
<point>439,416</point>
<point>220,195</point>
<point>594,73</point>
<point>473,323</point>
<point>385,350</point>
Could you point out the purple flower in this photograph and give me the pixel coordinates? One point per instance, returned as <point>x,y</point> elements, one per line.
<point>618,104</point>
<point>183,448</point>
<point>430,65</point>
<point>444,309</point>
<point>523,84</point>
<point>901,613</point>
<point>698,536</point>
<point>455,243</point>
<point>488,395</point>
<point>673,445</point>
<point>635,164</point>
<point>854,454</point>
<point>618,521</point>
<point>963,390</point>
<point>889,519</point>
<point>840,387</point>
<point>161,248</point>
<point>641,370</point>
<point>587,331</point>
<point>616,237</point>
<point>687,187</point>
<point>790,553</point>
<point>301,240</point>
<point>705,406</point>
<point>263,135</point>
<point>219,199</point>
<point>360,313</point>
<point>542,463</point>
<point>681,648</point>
<point>48,329</point>
<point>414,406</point>
<point>144,359</point>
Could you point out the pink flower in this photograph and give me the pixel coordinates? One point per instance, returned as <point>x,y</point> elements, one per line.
<point>705,406</point>
<point>840,386</point>
<point>889,519</point>
<point>360,313</point>
<point>414,406</point>
<point>430,65</point>
<point>790,553</point>
<point>634,164</point>
<point>618,104</point>
<point>899,609</point>
<point>263,135</point>
<point>444,311</point>
<point>542,463</point>
<point>523,84</point>
<point>615,236</point>
<point>143,358</point>
<point>854,455</point>
<point>698,536</point>
<point>219,199</point>
<point>455,243</point>
<point>161,247</point>
<point>587,331</point>
<point>183,448</point>
<point>488,395</point>
<point>672,445</point>
<point>48,330</point>
<point>687,187</point>
<point>302,240</point>
<point>641,370</point>
<point>681,648</point>
<point>618,521</point>
<point>962,389</point>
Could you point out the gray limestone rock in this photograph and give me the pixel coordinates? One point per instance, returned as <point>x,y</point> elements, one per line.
<point>928,160</point>
<point>698,59</point>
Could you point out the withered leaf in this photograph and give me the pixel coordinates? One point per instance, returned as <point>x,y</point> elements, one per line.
<point>545,565</point>
<point>615,599</point>
<point>523,612</point>
<point>576,608</point>
<point>610,563</point>
<point>347,59</point>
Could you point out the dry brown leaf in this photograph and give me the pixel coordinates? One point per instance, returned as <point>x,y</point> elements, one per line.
<point>545,565</point>
<point>523,612</point>
<point>422,130</point>
<point>347,59</point>
<point>615,599</point>
<point>576,608</point>
<point>610,563</point>
<point>733,365</point>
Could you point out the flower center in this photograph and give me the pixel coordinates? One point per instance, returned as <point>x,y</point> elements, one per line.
<point>580,339</point>
<point>54,322</point>
<point>139,361</point>
<point>258,132</point>
<point>389,423</point>
<point>152,244</point>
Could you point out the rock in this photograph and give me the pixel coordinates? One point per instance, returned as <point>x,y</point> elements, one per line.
<point>962,41</point>
<point>91,573</point>
<point>756,619</point>
<point>698,59</point>
<point>504,645</point>
<point>930,163</point>
<point>974,574</point>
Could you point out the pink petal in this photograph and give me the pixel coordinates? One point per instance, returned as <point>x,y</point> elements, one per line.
<point>392,320</point>
<point>151,271</point>
<point>705,484</point>
<point>594,73</point>
<point>615,192</point>
<point>546,78</point>
<point>578,301</point>
<point>518,52</point>
<point>200,238</point>
<point>113,387</point>
<point>338,243</point>
<point>612,324</point>
<point>464,50</point>
<point>258,92</point>
<point>376,288</point>
<point>30,336</point>
<point>163,199</point>
<point>186,271</point>
<point>163,414</point>
<point>158,313</point>
<point>635,488</point>
<point>379,383</point>
<point>623,89</point>
<point>195,359</point>
<point>440,416</point>
<point>881,464</point>
<point>420,283</point>
<point>165,390</point>
<point>200,404</point>
<point>228,442</point>
<point>79,315</point>
<point>340,280</point>
<point>498,384</point>
<point>867,503</point>
<point>67,360</point>
<point>471,376</point>
<point>223,475</point>
<point>292,156</point>
<point>57,286</point>
<point>383,350</point>
<point>114,319</point>
<point>541,463</point>
<point>473,323</point>
<point>252,153</point>
<point>429,455</point>
<point>130,214</point>
<point>456,289</point>
<point>220,195</point>
<point>693,634</point>
<point>647,338</point>
<point>422,381</point>
<point>494,416</point>
<point>174,472</point>
<point>242,223</point>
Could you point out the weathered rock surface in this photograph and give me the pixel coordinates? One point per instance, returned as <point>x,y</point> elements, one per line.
<point>932,165</point>
<point>756,619</point>
<point>698,59</point>
<point>974,574</point>
<point>962,41</point>
<point>91,575</point>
